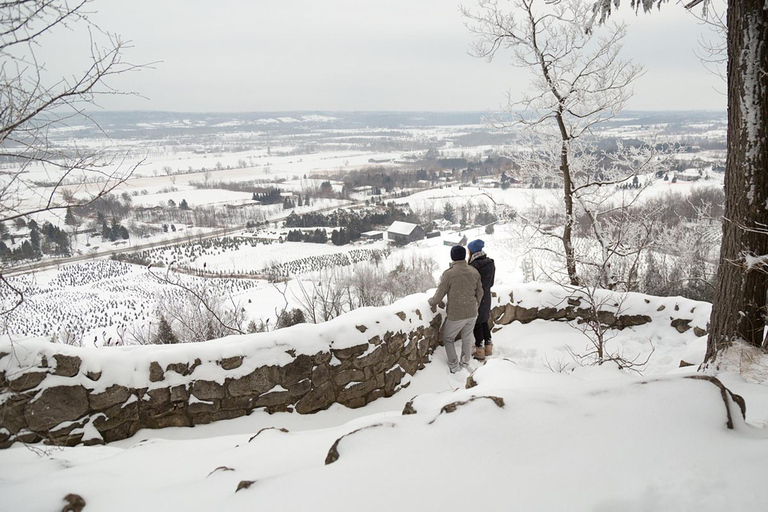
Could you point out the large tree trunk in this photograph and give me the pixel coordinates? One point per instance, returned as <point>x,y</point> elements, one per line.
<point>739,310</point>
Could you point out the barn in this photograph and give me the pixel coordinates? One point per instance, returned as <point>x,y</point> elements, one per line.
<point>401,233</point>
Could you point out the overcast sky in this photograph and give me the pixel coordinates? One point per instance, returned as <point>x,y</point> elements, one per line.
<point>277,55</point>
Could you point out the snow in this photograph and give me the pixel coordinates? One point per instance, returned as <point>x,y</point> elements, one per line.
<point>582,439</point>
<point>567,438</point>
<point>593,439</point>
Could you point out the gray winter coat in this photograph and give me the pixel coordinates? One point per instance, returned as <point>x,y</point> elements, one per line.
<point>465,291</point>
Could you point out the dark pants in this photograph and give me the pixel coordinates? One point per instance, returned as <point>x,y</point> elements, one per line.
<point>482,334</point>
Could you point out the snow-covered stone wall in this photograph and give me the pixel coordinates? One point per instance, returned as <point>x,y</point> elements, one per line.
<point>69,395</point>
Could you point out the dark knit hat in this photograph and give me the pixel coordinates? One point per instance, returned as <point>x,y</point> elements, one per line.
<point>475,246</point>
<point>458,253</point>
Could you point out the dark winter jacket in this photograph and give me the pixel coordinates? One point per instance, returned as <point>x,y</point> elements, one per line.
<point>462,285</point>
<point>487,269</point>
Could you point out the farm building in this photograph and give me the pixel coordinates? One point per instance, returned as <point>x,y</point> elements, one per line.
<point>455,239</point>
<point>402,233</point>
<point>691,174</point>
<point>373,235</point>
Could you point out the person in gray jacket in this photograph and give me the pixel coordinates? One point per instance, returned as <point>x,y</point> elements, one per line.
<point>465,291</point>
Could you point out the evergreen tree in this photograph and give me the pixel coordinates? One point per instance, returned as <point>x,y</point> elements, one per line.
<point>71,220</point>
<point>34,239</point>
<point>26,252</point>
<point>449,212</point>
<point>114,232</point>
<point>288,318</point>
<point>294,236</point>
<point>326,189</point>
<point>165,334</point>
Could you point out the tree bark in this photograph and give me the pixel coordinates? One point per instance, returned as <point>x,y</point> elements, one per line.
<point>739,310</point>
<point>570,254</point>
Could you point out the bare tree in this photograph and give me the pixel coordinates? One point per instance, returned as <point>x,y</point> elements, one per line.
<point>740,307</point>
<point>328,293</point>
<point>579,83</point>
<point>195,313</point>
<point>600,324</point>
<point>38,175</point>
<point>323,299</point>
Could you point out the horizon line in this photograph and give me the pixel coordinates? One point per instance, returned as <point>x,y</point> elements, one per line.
<point>137,111</point>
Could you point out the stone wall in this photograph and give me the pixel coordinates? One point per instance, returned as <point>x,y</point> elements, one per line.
<point>68,395</point>
<point>73,409</point>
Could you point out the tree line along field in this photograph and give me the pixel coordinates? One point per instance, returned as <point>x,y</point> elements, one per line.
<point>249,257</point>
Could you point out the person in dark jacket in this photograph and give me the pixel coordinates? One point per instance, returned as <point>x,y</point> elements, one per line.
<point>487,269</point>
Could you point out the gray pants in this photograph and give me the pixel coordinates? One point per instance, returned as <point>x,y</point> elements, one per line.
<point>450,330</point>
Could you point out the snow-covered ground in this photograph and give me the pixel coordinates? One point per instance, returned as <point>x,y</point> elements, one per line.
<point>524,199</point>
<point>525,438</point>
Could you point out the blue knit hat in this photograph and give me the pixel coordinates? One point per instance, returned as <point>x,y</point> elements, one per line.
<point>458,253</point>
<point>475,246</point>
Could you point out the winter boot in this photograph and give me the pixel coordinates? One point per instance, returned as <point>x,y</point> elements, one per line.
<point>479,353</point>
<point>488,349</point>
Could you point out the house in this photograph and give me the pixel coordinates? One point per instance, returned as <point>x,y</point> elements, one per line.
<point>291,196</point>
<point>455,239</point>
<point>373,235</point>
<point>402,233</point>
<point>691,174</point>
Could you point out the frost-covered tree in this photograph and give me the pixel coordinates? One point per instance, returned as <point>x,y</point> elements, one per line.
<point>34,102</point>
<point>741,295</point>
<point>579,82</point>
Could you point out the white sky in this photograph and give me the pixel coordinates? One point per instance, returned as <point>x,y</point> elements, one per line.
<point>271,55</point>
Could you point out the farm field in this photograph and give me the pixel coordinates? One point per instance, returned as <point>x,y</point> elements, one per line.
<point>100,302</point>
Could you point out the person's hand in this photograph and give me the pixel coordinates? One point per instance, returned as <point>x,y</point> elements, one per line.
<point>433,306</point>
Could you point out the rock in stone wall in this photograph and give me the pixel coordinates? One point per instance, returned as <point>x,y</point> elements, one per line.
<point>508,313</point>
